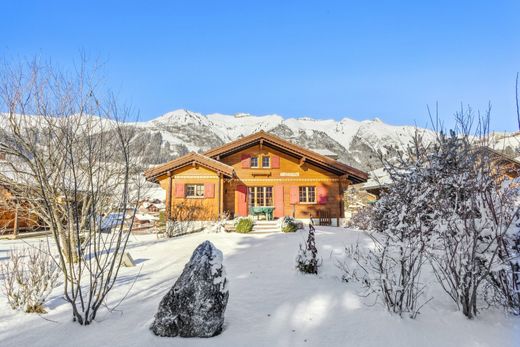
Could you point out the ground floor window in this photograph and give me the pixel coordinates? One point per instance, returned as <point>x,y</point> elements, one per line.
<point>194,190</point>
<point>260,196</point>
<point>307,194</point>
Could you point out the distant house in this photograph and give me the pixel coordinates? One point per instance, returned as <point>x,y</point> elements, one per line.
<point>15,216</point>
<point>151,207</point>
<point>257,173</point>
<point>504,164</point>
<point>378,180</point>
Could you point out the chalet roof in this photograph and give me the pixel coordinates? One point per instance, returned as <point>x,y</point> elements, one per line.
<point>499,155</point>
<point>320,160</point>
<point>188,159</point>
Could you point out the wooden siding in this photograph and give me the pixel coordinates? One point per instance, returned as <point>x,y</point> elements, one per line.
<point>207,208</point>
<point>285,175</point>
<point>9,216</point>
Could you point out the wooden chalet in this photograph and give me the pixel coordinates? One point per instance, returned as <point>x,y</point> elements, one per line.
<point>259,170</point>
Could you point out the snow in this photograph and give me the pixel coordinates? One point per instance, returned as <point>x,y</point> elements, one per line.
<point>217,267</point>
<point>154,192</point>
<point>270,303</point>
<point>377,178</point>
<point>325,152</point>
<point>145,217</point>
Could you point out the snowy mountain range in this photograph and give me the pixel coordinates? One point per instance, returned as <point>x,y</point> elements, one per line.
<point>355,142</point>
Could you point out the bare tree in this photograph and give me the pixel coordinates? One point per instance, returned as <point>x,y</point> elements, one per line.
<point>69,157</point>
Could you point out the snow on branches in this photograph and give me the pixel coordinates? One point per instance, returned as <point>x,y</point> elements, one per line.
<point>452,206</point>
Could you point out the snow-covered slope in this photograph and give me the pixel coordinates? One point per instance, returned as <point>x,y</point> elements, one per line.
<point>355,142</point>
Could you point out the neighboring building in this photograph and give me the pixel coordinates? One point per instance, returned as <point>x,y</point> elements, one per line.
<point>356,197</point>
<point>363,194</point>
<point>259,170</point>
<point>505,164</point>
<point>15,215</point>
<point>378,181</point>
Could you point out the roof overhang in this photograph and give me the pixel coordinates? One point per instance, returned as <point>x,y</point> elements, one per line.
<point>284,146</point>
<point>189,159</point>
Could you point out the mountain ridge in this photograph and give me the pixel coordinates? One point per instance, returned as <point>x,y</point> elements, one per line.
<point>355,142</point>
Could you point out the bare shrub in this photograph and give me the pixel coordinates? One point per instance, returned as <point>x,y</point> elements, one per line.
<point>476,208</point>
<point>391,270</point>
<point>29,276</point>
<point>449,204</point>
<point>363,219</point>
<point>219,224</point>
<point>185,218</point>
<point>307,260</point>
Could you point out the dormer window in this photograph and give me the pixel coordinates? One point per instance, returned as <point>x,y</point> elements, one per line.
<point>266,161</point>
<point>254,162</point>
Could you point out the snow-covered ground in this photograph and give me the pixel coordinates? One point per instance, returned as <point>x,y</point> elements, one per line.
<point>270,304</point>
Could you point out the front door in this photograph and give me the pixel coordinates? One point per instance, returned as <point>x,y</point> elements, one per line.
<point>241,201</point>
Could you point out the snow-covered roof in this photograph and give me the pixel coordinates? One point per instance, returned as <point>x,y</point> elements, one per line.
<point>325,152</point>
<point>377,178</point>
<point>145,217</point>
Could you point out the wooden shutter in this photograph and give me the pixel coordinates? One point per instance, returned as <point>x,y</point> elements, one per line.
<point>323,195</point>
<point>295,198</point>
<point>278,201</point>
<point>246,161</point>
<point>179,190</point>
<point>241,200</point>
<point>275,162</point>
<point>209,190</point>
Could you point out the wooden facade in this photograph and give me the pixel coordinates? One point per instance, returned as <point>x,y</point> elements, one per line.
<point>14,214</point>
<point>257,170</point>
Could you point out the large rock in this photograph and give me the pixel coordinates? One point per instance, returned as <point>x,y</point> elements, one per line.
<point>195,305</point>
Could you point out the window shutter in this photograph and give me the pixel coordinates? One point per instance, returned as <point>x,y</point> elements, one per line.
<point>209,190</point>
<point>278,201</point>
<point>295,198</point>
<point>179,190</point>
<point>275,162</point>
<point>323,195</point>
<point>246,161</point>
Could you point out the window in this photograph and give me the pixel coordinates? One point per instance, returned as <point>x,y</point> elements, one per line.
<point>260,196</point>
<point>266,162</point>
<point>307,195</point>
<point>194,190</point>
<point>254,161</point>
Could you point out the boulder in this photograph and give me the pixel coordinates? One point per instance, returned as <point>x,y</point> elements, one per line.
<point>195,305</point>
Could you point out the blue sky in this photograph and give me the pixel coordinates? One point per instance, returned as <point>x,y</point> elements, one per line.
<point>327,59</point>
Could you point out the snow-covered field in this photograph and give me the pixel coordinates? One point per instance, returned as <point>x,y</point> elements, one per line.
<point>270,304</point>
